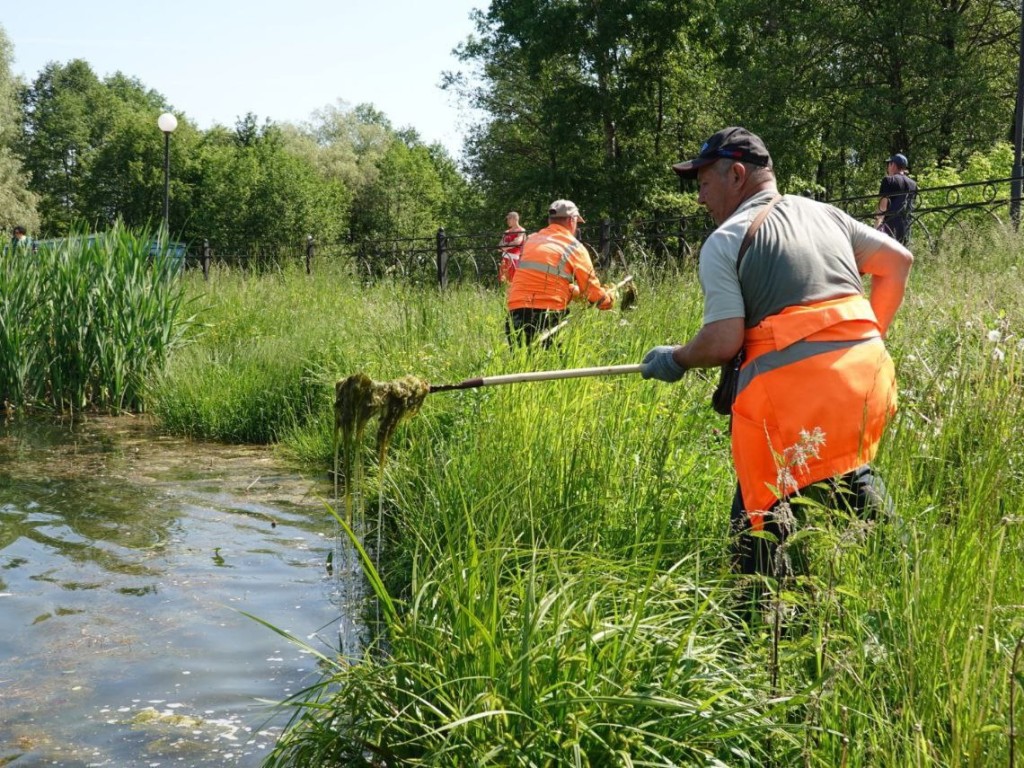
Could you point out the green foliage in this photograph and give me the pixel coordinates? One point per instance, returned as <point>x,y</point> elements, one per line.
<point>620,90</point>
<point>400,187</point>
<point>404,198</point>
<point>87,320</point>
<point>611,89</point>
<point>995,162</point>
<point>95,155</point>
<point>17,203</point>
<point>60,135</point>
<point>251,195</point>
<point>349,143</point>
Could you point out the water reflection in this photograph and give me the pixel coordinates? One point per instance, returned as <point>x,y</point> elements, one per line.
<point>126,559</point>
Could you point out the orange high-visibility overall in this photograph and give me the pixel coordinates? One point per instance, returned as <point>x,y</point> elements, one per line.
<point>551,262</point>
<point>815,367</point>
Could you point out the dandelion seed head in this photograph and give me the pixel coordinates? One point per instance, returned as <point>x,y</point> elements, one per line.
<point>998,355</point>
<point>995,336</point>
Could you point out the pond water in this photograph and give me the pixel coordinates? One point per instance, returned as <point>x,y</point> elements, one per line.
<point>127,560</point>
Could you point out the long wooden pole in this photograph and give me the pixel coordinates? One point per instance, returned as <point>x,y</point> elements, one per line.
<point>516,378</point>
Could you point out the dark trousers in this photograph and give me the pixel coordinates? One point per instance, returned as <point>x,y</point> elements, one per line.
<point>524,324</point>
<point>898,229</point>
<point>860,492</point>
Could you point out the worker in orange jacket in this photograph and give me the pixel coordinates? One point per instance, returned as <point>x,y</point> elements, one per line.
<point>816,386</point>
<point>554,268</point>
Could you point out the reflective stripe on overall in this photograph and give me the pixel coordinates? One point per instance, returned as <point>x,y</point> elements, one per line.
<point>544,277</point>
<point>558,270</point>
<point>815,369</point>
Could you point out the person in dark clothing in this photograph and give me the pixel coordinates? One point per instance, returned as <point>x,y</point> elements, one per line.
<point>896,200</point>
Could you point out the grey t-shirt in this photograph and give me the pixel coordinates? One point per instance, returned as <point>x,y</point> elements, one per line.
<point>804,252</point>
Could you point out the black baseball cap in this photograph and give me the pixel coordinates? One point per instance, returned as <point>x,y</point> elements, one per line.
<point>736,143</point>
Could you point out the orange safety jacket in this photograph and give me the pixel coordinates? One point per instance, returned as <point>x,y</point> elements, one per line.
<point>820,366</point>
<point>552,260</point>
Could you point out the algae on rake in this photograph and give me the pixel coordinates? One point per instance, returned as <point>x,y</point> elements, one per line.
<point>358,399</point>
<point>628,297</point>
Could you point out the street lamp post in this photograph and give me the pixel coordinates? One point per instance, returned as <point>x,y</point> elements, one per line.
<point>1018,132</point>
<point>167,123</point>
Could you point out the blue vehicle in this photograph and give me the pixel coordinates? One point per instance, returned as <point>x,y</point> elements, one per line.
<point>177,252</point>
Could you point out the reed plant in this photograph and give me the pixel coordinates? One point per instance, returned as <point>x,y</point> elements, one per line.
<point>86,321</point>
<point>552,575</point>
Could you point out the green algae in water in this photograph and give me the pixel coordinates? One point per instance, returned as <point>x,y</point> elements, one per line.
<point>357,400</point>
<point>399,400</point>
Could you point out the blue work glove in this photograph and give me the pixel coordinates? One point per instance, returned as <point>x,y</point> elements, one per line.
<point>658,364</point>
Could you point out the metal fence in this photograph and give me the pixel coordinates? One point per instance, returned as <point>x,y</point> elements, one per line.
<point>666,243</point>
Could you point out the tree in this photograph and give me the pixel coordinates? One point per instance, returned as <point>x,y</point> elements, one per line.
<point>17,203</point>
<point>124,179</point>
<point>615,89</point>
<point>60,136</point>
<point>406,198</point>
<point>836,86</point>
<point>399,186</point>
<point>93,149</point>
<point>251,194</point>
<point>351,142</point>
<point>594,100</point>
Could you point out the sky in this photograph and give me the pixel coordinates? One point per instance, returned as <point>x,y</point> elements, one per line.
<point>217,60</point>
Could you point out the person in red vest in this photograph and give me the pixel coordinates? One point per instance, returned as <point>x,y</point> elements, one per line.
<point>817,386</point>
<point>511,247</point>
<point>554,269</point>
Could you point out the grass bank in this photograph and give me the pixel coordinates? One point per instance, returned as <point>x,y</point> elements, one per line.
<point>553,574</point>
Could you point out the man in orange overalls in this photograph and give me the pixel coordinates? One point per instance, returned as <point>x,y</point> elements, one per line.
<point>816,386</point>
<point>554,268</point>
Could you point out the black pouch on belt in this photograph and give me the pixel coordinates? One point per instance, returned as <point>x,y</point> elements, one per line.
<point>728,381</point>
<point>729,378</point>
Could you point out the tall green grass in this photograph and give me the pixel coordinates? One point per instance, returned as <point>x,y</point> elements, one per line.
<point>270,348</point>
<point>554,565</point>
<point>87,321</point>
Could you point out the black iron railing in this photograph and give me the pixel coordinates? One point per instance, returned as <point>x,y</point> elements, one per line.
<point>660,243</point>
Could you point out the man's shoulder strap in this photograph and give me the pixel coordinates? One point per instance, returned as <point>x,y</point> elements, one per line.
<point>752,229</point>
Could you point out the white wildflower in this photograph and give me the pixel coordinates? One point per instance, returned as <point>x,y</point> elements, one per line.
<point>874,650</point>
<point>998,355</point>
<point>995,336</point>
<point>808,447</point>
<point>794,459</point>
<point>784,479</point>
